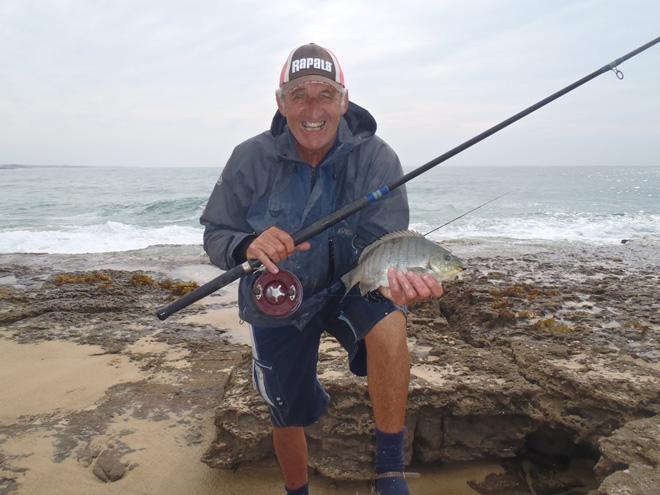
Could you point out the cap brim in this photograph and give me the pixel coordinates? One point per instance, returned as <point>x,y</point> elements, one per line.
<point>311,78</point>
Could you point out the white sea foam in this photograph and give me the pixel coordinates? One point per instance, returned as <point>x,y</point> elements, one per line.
<point>100,238</point>
<point>608,229</point>
<point>116,236</point>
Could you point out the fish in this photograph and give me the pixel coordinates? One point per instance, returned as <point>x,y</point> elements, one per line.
<point>405,251</point>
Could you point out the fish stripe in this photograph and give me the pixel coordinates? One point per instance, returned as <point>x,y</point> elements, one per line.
<point>404,251</point>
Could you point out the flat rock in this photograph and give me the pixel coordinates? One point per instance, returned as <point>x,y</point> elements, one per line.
<point>108,467</point>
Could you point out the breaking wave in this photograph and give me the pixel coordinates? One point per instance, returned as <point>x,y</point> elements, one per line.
<point>581,227</point>
<point>99,238</point>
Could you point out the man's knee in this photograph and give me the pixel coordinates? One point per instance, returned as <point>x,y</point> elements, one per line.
<point>288,433</point>
<point>392,324</point>
<point>389,334</point>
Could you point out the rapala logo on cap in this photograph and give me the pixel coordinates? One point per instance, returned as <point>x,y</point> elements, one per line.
<point>310,63</point>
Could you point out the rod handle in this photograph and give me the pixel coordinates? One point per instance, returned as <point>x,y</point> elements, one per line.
<point>208,288</point>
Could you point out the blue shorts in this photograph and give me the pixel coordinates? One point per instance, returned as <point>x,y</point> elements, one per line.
<point>285,358</point>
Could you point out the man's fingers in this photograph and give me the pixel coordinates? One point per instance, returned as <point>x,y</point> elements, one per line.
<point>406,287</point>
<point>436,287</point>
<point>266,261</point>
<point>397,293</point>
<point>409,287</point>
<point>273,243</point>
<point>285,240</point>
<point>267,254</point>
<point>275,250</point>
<point>393,281</point>
<point>393,291</point>
<point>304,246</point>
<point>419,285</point>
<point>272,246</point>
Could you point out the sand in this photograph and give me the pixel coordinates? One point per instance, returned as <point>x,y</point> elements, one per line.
<point>55,379</point>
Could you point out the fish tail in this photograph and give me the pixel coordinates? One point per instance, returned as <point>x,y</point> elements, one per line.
<point>348,280</point>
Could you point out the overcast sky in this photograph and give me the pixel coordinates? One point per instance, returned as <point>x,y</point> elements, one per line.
<point>172,83</point>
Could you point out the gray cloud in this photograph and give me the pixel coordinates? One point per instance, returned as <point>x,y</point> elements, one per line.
<point>167,84</point>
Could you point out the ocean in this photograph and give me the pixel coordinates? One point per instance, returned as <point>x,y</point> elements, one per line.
<point>95,210</point>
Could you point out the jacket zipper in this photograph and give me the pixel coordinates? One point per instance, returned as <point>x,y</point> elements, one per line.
<point>331,261</point>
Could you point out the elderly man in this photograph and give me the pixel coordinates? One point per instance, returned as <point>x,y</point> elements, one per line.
<point>320,153</point>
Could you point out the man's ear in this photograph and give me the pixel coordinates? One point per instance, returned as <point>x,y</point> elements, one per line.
<point>279,98</point>
<point>344,102</point>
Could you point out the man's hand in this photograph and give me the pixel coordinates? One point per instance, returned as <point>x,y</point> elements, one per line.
<point>410,288</point>
<point>272,246</point>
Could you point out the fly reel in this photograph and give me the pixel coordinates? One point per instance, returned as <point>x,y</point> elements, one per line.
<point>277,295</point>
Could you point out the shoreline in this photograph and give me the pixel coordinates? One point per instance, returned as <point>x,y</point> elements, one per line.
<point>192,262</point>
<point>145,392</point>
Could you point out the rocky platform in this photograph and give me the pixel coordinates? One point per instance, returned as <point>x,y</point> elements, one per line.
<point>544,356</point>
<point>548,355</point>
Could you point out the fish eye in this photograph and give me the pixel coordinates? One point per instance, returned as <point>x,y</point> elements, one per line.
<point>448,257</point>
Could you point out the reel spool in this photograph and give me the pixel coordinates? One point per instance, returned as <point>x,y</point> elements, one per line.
<point>277,295</point>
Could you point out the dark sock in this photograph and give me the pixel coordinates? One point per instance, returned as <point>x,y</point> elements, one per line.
<point>303,490</point>
<point>390,457</point>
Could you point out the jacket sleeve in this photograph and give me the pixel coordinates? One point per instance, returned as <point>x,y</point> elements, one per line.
<point>389,214</point>
<point>224,217</point>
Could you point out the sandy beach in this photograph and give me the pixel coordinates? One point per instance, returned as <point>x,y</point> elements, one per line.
<point>95,388</point>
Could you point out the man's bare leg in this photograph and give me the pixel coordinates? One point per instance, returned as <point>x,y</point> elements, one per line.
<point>291,450</point>
<point>388,371</point>
<point>388,368</point>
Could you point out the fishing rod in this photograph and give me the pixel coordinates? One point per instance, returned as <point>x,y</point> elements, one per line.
<point>320,225</point>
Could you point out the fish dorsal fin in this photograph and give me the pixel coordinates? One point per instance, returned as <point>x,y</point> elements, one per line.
<point>387,237</point>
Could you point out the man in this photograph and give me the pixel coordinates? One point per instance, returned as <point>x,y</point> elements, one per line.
<point>320,154</point>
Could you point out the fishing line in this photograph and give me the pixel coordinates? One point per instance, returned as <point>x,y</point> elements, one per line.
<point>319,226</point>
<point>466,213</point>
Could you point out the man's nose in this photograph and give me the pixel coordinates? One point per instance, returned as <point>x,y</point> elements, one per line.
<point>314,106</point>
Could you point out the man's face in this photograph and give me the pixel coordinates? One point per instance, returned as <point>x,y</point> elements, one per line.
<point>313,110</point>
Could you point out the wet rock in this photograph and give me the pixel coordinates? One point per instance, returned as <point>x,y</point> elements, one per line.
<point>89,452</point>
<point>546,481</point>
<point>638,479</point>
<point>631,459</point>
<point>499,484</point>
<point>108,467</point>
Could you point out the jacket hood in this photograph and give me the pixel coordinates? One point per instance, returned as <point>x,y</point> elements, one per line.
<point>358,120</point>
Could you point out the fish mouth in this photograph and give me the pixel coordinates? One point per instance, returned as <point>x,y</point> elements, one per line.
<point>455,273</point>
<point>313,125</point>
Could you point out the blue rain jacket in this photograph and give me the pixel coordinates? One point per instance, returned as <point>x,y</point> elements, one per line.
<point>265,184</point>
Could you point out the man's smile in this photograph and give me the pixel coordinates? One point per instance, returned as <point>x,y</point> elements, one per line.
<point>313,126</point>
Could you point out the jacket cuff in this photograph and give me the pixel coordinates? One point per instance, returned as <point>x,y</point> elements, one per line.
<point>239,253</point>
